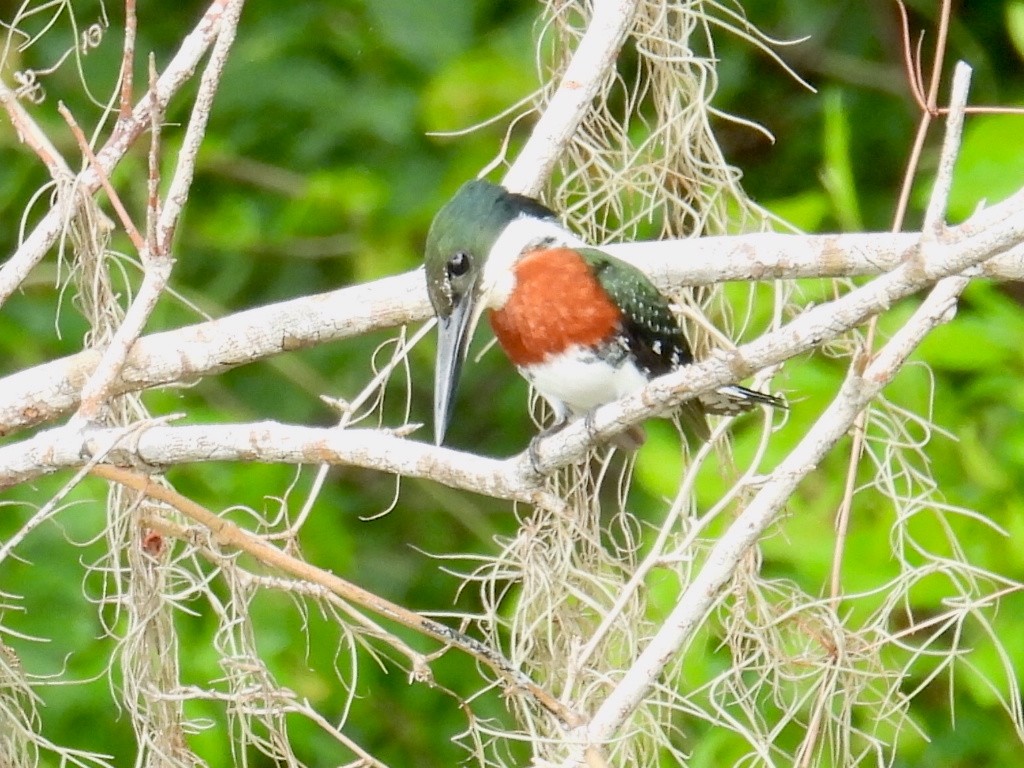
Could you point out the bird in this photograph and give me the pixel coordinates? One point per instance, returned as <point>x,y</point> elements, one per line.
<point>581,326</point>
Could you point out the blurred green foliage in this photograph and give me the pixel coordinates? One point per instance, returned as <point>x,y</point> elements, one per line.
<point>323,164</point>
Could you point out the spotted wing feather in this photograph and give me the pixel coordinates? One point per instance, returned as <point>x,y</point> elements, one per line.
<point>650,331</point>
<point>654,337</point>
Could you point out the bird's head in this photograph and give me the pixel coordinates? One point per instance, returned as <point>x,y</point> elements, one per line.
<point>472,245</point>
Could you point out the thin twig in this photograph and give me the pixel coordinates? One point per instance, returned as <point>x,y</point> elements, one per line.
<point>912,68</point>
<point>940,56</point>
<point>181,182</point>
<point>101,174</point>
<point>928,105</point>
<point>50,228</point>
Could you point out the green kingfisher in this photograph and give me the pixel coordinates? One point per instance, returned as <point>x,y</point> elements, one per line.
<point>583,327</point>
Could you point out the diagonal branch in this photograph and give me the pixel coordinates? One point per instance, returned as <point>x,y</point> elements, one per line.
<point>937,259</point>
<point>30,133</point>
<point>857,392</point>
<point>728,551</point>
<point>588,70</point>
<point>228,534</point>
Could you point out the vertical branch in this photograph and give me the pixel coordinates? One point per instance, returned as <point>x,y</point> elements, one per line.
<point>177,192</point>
<point>929,110</point>
<point>128,59</point>
<point>935,213</point>
<point>153,201</point>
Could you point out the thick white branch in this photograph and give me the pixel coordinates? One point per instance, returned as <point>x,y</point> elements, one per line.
<point>775,256</point>
<point>158,446</point>
<point>67,447</point>
<point>937,259</point>
<point>48,391</point>
<point>517,477</point>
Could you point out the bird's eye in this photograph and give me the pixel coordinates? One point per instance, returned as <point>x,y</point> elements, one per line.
<point>458,264</point>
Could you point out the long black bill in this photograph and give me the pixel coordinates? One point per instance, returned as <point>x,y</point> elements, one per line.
<point>453,336</point>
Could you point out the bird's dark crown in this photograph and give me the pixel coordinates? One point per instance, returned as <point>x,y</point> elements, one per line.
<point>463,233</point>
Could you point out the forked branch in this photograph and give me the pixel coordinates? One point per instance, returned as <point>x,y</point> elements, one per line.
<point>178,72</point>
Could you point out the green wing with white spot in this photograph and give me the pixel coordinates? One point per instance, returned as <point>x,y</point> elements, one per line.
<point>651,331</point>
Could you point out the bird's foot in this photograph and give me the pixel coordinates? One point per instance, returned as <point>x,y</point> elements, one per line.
<point>535,461</point>
<point>590,426</point>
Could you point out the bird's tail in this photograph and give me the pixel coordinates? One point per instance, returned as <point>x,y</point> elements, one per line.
<point>733,399</point>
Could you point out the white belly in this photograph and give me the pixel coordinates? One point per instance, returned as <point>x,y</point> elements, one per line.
<point>576,384</point>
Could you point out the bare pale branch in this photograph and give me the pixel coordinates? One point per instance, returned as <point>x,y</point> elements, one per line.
<point>589,70</point>
<point>43,393</point>
<point>156,257</point>
<point>858,391</point>
<point>517,479</point>
<point>178,72</point>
